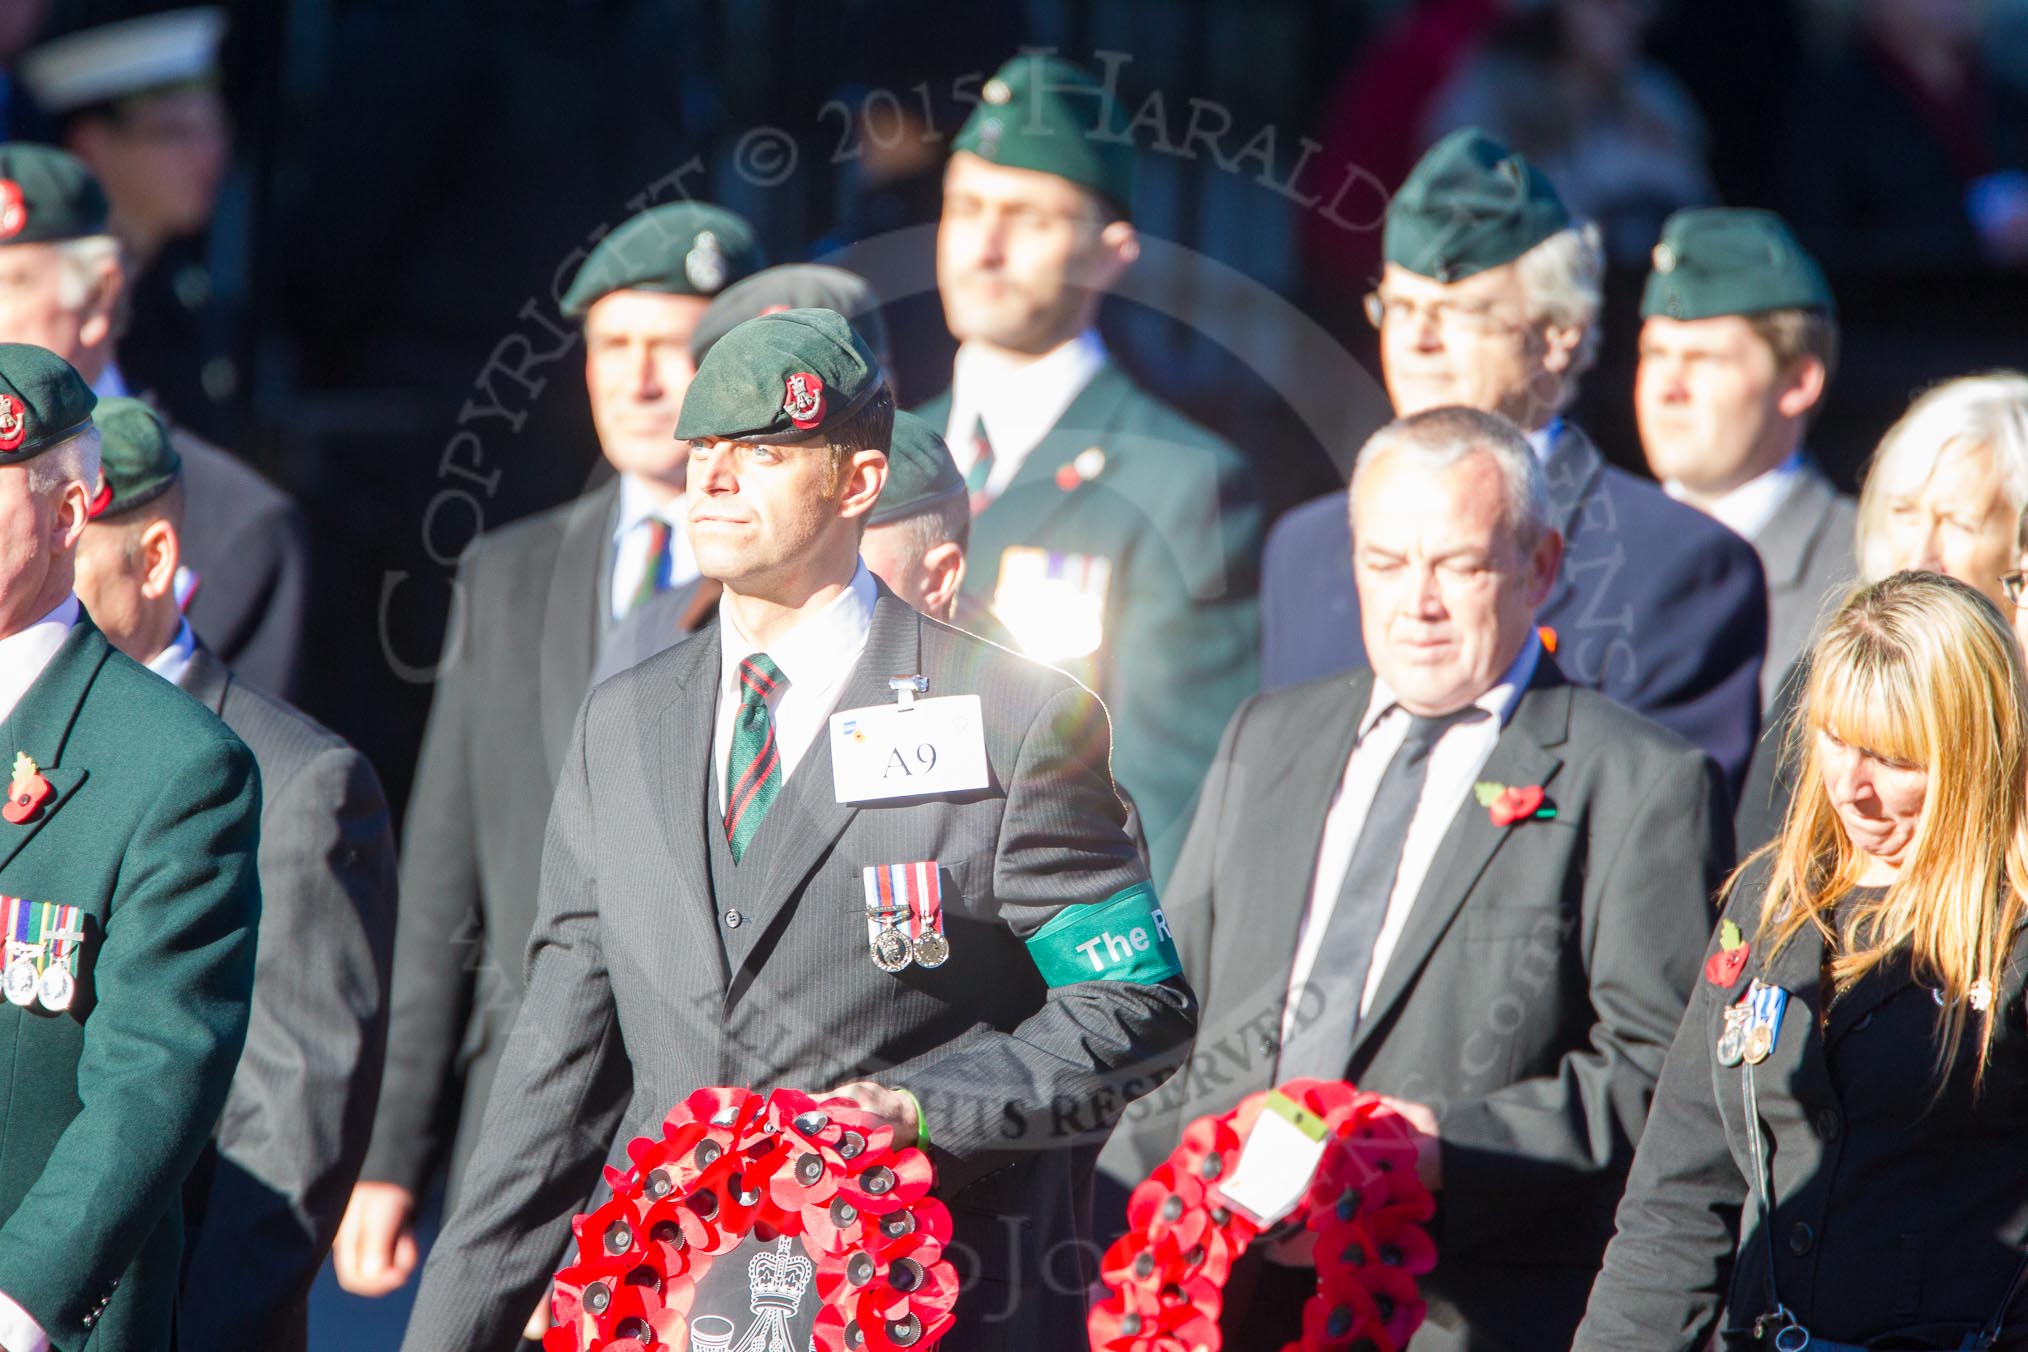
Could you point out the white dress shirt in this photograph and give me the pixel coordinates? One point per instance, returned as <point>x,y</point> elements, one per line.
<point>630,558</point>
<point>23,659</point>
<point>1747,509</point>
<point>174,660</point>
<point>1019,401</point>
<point>1454,765</point>
<point>815,659</point>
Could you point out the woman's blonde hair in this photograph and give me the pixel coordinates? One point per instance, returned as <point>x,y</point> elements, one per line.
<point>1989,410</point>
<point>1915,669</point>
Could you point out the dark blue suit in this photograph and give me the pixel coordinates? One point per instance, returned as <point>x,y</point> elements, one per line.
<point>1657,605</point>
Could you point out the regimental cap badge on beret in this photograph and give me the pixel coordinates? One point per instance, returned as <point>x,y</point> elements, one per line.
<point>787,376</point>
<point>1470,204</point>
<point>13,209</point>
<point>43,402</point>
<point>47,196</point>
<point>1050,115</point>
<point>679,249</point>
<point>1714,261</point>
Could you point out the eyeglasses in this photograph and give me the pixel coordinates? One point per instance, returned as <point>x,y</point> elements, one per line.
<point>2015,585</point>
<point>1445,314</point>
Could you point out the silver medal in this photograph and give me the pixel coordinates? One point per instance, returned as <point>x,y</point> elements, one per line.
<point>932,949</point>
<point>890,949</point>
<point>1732,1042</point>
<point>21,981</point>
<point>57,989</point>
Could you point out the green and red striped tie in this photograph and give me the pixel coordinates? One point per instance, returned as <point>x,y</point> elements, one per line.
<point>753,770</point>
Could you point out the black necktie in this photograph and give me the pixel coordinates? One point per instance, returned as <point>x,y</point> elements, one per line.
<point>1320,1044</point>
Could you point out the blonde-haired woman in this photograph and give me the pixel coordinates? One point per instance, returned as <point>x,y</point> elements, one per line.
<point>1837,1156</point>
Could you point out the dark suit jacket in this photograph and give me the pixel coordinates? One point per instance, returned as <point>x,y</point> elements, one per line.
<point>152,832</point>
<point>648,961</point>
<point>1770,779</point>
<point>518,658</point>
<point>1806,551</point>
<point>1177,512</point>
<point>1530,998</point>
<point>1899,1209</point>
<point>249,546</point>
<point>265,1210</point>
<point>1657,605</point>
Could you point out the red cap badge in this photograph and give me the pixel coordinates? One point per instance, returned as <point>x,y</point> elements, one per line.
<point>804,402</point>
<point>101,500</point>
<point>13,422</point>
<point>13,209</point>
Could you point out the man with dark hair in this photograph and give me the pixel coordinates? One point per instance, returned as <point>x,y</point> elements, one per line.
<point>705,916</point>
<point>262,1205</point>
<point>536,601</point>
<point>1739,340</point>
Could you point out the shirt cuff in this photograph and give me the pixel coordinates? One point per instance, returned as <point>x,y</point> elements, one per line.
<point>922,1135</point>
<point>18,1330</point>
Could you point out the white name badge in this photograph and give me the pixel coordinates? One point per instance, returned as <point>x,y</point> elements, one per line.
<point>1277,1162</point>
<point>888,751</point>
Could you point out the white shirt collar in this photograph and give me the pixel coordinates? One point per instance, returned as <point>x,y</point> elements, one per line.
<point>1747,509</point>
<point>111,384</point>
<point>1019,401</point>
<point>1499,701</point>
<point>174,660</point>
<point>26,655</point>
<point>821,647</point>
<point>638,502</point>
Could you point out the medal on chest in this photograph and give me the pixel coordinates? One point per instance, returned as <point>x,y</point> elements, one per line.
<point>1765,1006</point>
<point>905,915</point>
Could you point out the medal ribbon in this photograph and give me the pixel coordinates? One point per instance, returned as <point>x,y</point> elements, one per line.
<point>926,899</point>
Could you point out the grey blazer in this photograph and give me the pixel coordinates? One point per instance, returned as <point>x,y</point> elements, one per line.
<point>1529,1001</point>
<point>1806,549</point>
<point>651,967</point>
<point>265,1203</point>
<point>517,661</point>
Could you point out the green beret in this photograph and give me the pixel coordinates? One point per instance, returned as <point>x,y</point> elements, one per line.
<point>1470,205</point>
<point>789,376</point>
<point>920,472</point>
<point>47,195</point>
<point>1731,261</point>
<point>43,401</point>
<point>793,286</point>
<point>1044,113</point>
<point>682,249</point>
<point>140,464</point>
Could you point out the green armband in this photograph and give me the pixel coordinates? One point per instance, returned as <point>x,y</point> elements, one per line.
<point>1123,938</point>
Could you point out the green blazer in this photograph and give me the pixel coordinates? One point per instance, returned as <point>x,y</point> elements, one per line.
<point>1177,514</point>
<point>152,832</point>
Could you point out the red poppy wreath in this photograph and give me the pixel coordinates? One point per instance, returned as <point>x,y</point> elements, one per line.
<point>1361,1222</point>
<point>821,1180</point>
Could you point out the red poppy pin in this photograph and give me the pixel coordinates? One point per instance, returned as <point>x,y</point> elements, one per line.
<point>28,791</point>
<point>803,400</point>
<point>1723,967</point>
<point>1507,804</point>
<point>13,209</point>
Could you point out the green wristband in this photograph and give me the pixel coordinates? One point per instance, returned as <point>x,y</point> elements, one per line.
<point>922,1136</point>
<point>1123,938</point>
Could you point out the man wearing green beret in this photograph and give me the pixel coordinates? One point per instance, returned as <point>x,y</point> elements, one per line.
<point>536,601</point>
<point>1739,338</point>
<point>130,899</point>
<point>1490,299</point>
<point>722,902</point>
<point>1112,536</point>
<point>264,1203</point>
<point>246,578</point>
<point>914,542</point>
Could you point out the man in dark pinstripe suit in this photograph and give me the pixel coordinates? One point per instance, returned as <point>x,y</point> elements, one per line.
<point>702,917</point>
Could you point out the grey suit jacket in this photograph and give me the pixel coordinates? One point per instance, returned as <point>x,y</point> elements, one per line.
<point>642,965</point>
<point>1806,550</point>
<point>265,1205</point>
<point>1530,998</point>
<point>662,621</point>
<point>518,658</point>
<point>249,545</point>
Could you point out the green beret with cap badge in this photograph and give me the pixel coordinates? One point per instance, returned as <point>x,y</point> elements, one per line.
<point>43,402</point>
<point>789,376</point>
<point>1470,205</point>
<point>1714,261</point>
<point>140,465</point>
<point>921,473</point>
<point>47,196</point>
<point>679,249</point>
<point>793,286</point>
<point>1044,113</point>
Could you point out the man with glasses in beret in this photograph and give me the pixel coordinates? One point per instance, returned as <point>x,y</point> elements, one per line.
<point>705,915</point>
<point>535,602</point>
